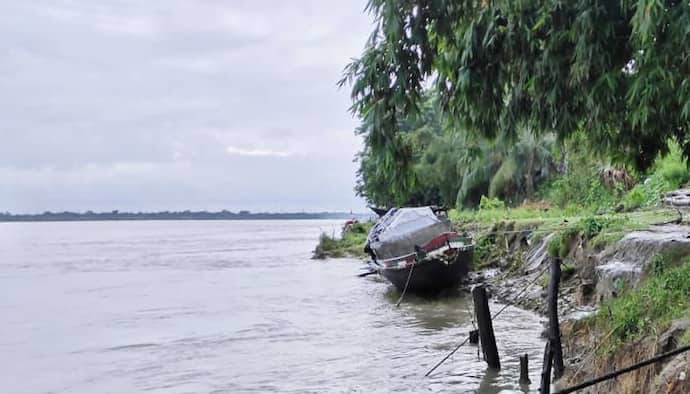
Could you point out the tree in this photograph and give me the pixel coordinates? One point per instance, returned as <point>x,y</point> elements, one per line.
<point>452,167</point>
<point>389,177</point>
<point>616,70</point>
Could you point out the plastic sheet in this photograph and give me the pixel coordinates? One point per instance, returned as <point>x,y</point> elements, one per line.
<point>398,231</point>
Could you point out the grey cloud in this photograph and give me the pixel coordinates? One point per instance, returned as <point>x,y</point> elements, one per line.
<point>104,99</point>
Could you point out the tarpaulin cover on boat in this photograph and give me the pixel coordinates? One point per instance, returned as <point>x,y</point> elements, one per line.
<point>399,230</point>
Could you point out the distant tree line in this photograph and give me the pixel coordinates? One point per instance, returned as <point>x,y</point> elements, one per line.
<point>168,215</point>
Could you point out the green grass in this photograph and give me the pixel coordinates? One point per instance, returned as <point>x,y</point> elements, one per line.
<point>492,215</point>
<point>349,244</point>
<point>663,297</point>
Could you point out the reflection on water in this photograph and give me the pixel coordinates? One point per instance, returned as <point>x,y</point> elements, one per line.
<point>234,307</point>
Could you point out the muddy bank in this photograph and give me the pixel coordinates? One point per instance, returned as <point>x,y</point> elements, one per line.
<point>594,271</point>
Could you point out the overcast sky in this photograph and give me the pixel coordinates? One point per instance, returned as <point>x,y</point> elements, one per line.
<point>177,104</point>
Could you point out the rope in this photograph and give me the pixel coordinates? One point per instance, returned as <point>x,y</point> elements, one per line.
<point>515,299</point>
<point>447,356</point>
<point>406,284</point>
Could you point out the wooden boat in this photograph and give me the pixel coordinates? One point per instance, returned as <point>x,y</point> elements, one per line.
<point>416,248</point>
<point>379,211</point>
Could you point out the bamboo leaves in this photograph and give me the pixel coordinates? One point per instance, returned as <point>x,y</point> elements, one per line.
<point>618,70</point>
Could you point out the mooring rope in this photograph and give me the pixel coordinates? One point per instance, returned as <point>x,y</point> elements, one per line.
<point>515,299</point>
<point>447,356</point>
<point>406,284</point>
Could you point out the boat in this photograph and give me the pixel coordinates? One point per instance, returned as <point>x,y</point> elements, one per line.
<point>417,251</point>
<point>379,211</point>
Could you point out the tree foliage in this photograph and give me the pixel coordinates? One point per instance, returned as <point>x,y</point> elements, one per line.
<point>617,70</point>
<point>451,167</point>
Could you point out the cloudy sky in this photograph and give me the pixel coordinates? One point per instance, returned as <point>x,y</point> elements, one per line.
<point>177,104</point>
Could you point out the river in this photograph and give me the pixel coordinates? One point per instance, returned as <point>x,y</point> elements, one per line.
<point>227,307</point>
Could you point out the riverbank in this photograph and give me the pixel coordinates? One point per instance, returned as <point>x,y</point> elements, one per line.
<point>625,284</point>
<point>349,243</point>
<point>624,294</point>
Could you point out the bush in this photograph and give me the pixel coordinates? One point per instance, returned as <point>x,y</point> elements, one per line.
<point>636,197</point>
<point>487,203</point>
<point>591,226</point>
<point>350,243</point>
<point>579,186</point>
<point>559,245</point>
<point>672,169</point>
<point>668,173</point>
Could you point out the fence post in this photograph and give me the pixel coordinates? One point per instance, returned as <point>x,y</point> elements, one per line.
<point>486,329</point>
<point>545,386</point>
<point>474,337</point>
<point>554,327</point>
<point>524,370</point>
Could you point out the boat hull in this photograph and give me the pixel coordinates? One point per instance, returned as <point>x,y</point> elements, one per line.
<point>432,275</point>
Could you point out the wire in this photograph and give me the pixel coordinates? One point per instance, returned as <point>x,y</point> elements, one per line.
<point>406,284</point>
<point>515,299</point>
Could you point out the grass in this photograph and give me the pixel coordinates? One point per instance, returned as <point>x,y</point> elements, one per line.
<point>663,297</point>
<point>568,225</point>
<point>349,244</point>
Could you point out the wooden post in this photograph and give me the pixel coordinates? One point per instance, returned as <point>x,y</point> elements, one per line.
<point>486,329</point>
<point>554,327</point>
<point>545,386</point>
<point>524,370</point>
<point>474,337</point>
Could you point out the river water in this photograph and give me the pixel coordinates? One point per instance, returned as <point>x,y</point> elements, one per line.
<point>226,307</point>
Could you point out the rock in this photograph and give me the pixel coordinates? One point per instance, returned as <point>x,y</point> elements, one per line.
<point>538,254</point>
<point>613,277</point>
<point>669,339</point>
<point>677,198</point>
<point>579,314</point>
<point>584,293</point>
<point>625,262</point>
<point>673,378</point>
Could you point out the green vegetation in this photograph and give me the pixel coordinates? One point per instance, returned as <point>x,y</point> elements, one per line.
<point>585,106</point>
<point>613,71</point>
<point>447,166</point>
<point>350,243</point>
<point>589,228</point>
<point>551,118</point>
<point>663,297</point>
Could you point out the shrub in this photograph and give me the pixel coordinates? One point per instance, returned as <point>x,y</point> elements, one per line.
<point>591,226</point>
<point>486,203</point>
<point>668,173</point>
<point>350,243</point>
<point>559,244</point>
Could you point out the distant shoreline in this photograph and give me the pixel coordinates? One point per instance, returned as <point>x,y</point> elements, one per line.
<point>166,215</point>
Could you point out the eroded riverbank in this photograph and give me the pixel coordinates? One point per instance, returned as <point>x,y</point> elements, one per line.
<point>600,275</point>
<point>606,260</point>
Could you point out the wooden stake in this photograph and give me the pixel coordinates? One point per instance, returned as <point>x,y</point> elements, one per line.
<point>545,386</point>
<point>554,327</point>
<point>474,337</point>
<point>524,370</point>
<point>486,329</point>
